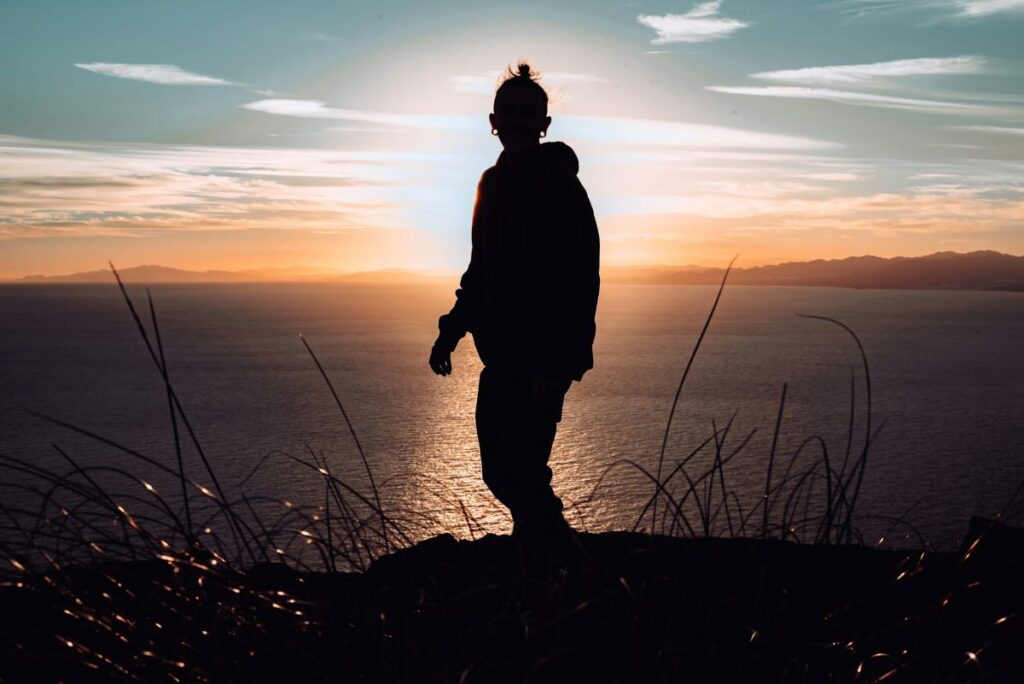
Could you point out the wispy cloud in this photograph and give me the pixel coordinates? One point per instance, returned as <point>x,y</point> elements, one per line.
<point>863,99</point>
<point>602,130</point>
<point>627,131</point>
<point>966,197</point>
<point>315,109</point>
<point>929,210</point>
<point>981,8</point>
<point>163,74</point>
<point>951,8</point>
<point>874,73</point>
<point>485,84</point>
<point>57,187</point>
<point>836,176</point>
<point>997,130</point>
<point>700,24</point>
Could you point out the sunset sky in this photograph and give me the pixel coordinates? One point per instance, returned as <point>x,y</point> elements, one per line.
<point>350,136</point>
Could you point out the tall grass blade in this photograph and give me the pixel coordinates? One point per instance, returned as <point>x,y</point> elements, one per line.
<point>174,419</point>
<point>679,390</point>
<point>771,461</point>
<point>355,438</point>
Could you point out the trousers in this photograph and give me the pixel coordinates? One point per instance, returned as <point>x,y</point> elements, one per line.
<point>516,434</point>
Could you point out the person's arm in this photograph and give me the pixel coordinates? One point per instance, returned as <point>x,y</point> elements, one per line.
<point>589,246</point>
<point>454,325</point>
<point>564,345</point>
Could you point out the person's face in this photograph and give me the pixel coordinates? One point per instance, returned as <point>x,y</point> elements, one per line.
<point>519,117</point>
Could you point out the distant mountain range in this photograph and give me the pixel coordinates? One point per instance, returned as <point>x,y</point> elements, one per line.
<point>165,274</point>
<point>983,270</point>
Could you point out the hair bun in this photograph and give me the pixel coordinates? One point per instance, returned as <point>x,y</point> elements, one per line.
<point>520,74</point>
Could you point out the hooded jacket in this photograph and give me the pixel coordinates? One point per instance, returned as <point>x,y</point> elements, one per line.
<point>529,295</point>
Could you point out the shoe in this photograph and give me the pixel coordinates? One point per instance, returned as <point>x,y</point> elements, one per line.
<point>552,547</point>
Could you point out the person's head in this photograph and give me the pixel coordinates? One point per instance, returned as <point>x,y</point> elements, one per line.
<point>520,116</point>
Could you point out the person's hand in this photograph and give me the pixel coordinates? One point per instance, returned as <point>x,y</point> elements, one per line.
<point>440,360</point>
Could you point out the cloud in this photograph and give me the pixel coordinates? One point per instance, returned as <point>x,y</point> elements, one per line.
<point>923,211</point>
<point>486,84</point>
<point>863,99</point>
<point>60,188</point>
<point>997,130</point>
<point>163,74</point>
<point>315,109</point>
<point>558,77</point>
<point>858,74</point>
<point>136,189</point>
<point>659,133</point>
<point>608,130</point>
<point>699,25</point>
<point>981,8</point>
<point>967,196</point>
<point>306,109</point>
<point>951,8</point>
<point>840,176</point>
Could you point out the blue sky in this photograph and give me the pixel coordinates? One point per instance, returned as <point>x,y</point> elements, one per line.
<point>350,136</point>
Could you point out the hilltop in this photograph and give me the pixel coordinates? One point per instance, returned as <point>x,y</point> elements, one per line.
<point>643,608</point>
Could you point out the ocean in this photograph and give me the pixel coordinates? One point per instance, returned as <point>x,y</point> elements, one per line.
<point>946,373</point>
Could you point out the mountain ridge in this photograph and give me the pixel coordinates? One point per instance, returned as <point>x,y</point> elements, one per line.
<point>977,270</point>
<point>154,273</point>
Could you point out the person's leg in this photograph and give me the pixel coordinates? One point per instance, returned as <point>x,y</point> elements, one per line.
<point>491,416</point>
<point>516,436</point>
<point>532,435</point>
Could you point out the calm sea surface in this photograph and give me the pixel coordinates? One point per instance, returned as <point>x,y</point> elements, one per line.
<point>947,377</point>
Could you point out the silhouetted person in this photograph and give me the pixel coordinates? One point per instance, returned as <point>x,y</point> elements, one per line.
<point>529,297</point>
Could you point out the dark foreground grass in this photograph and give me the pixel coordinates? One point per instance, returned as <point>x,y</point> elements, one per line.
<point>111,579</point>
<point>649,609</point>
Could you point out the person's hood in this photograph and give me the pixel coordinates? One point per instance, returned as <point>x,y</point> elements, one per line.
<point>561,155</point>
<point>555,156</point>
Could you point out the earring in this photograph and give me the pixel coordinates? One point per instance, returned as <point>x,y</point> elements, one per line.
<point>543,133</point>
<point>494,131</point>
